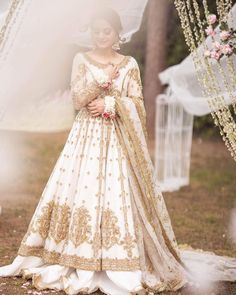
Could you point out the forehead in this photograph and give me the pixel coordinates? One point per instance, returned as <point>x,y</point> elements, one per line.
<point>100,23</point>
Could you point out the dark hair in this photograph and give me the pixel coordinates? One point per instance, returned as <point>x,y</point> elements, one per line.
<point>110,15</point>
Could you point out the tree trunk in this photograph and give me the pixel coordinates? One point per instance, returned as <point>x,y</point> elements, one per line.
<point>157,20</point>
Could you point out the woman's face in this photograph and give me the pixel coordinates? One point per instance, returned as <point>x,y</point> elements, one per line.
<point>103,34</point>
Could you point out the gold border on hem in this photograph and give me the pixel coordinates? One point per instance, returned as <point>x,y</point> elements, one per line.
<point>79,262</point>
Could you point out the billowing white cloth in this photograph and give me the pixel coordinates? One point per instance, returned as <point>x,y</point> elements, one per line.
<point>4,4</point>
<point>184,85</point>
<point>36,56</point>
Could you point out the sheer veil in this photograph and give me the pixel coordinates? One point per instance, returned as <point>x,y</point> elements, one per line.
<point>38,41</point>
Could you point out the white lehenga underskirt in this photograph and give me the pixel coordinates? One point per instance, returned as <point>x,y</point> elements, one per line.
<point>71,280</point>
<point>206,268</point>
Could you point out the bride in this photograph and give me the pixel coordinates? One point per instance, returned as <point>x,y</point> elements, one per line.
<point>101,222</point>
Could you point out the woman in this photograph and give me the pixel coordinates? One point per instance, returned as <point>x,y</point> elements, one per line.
<point>101,221</point>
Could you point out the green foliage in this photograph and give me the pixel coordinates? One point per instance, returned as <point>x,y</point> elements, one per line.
<point>205,127</point>
<point>177,49</point>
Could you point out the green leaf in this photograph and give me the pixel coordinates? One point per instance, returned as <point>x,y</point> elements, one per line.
<point>224,26</point>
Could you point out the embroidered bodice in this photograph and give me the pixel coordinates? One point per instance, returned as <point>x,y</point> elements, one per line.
<point>84,85</point>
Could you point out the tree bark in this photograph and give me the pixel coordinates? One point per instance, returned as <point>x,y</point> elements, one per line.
<point>157,20</point>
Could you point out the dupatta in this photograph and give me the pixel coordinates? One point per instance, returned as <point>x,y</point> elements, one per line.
<point>162,267</point>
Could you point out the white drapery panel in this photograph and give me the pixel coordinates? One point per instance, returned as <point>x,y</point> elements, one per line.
<point>36,56</point>
<point>173,143</point>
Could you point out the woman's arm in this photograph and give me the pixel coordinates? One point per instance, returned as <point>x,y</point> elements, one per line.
<point>83,91</point>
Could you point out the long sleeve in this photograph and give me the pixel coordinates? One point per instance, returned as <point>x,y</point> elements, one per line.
<point>82,91</point>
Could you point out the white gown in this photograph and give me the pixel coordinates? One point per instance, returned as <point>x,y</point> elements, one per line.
<point>83,234</point>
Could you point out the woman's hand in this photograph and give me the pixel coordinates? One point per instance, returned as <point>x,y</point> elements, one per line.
<point>96,107</point>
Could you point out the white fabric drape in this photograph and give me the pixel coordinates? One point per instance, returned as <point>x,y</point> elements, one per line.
<point>36,55</point>
<point>174,128</point>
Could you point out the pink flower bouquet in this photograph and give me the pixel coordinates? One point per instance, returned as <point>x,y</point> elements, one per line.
<point>226,45</point>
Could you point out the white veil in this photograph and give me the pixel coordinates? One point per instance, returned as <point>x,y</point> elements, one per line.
<point>38,41</point>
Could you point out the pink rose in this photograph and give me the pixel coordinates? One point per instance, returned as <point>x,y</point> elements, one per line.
<point>211,19</point>
<point>227,49</point>
<point>106,85</point>
<point>106,115</point>
<point>224,35</point>
<point>210,31</point>
<point>217,45</point>
<point>215,55</point>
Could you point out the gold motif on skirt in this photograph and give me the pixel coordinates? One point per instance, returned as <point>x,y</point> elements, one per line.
<point>80,229</point>
<point>128,243</point>
<point>110,230</point>
<point>43,222</point>
<point>59,224</point>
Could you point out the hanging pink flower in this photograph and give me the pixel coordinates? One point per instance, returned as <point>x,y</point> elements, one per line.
<point>215,54</point>
<point>211,19</point>
<point>227,49</point>
<point>224,35</point>
<point>223,38</point>
<point>217,45</point>
<point>210,31</point>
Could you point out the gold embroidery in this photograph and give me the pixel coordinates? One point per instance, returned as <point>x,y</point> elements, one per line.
<point>146,173</point>
<point>82,95</point>
<point>78,75</point>
<point>129,243</point>
<point>80,229</point>
<point>96,243</point>
<point>80,262</point>
<point>123,63</point>
<point>135,82</point>
<point>139,104</point>
<point>135,92</point>
<point>82,91</point>
<point>43,222</point>
<point>59,224</point>
<point>110,230</point>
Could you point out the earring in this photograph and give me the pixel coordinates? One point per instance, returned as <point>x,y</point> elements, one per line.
<point>116,45</point>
